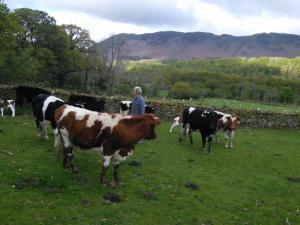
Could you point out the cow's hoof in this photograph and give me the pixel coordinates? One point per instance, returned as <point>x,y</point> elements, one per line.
<point>46,137</point>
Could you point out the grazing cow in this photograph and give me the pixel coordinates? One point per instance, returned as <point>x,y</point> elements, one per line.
<point>125,108</point>
<point>203,120</point>
<point>43,109</point>
<point>24,93</point>
<point>87,102</point>
<point>7,104</point>
<point>112,134</point>
<point>228,124</point>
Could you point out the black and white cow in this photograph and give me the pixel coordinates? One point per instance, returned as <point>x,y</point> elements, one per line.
<point>26,94</point>
<point>199,119</point>
<point>87,102</point>
<point>125,108</point>
<point>43,108</point>
<point>7,104</point>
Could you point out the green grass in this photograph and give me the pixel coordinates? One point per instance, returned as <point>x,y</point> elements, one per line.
<point>245,185</point>
<point>237,104</point>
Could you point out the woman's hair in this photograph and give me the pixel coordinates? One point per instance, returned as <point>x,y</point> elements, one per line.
<point>137,90</point>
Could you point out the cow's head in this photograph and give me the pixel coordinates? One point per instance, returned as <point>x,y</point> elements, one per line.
<point>211,119</point>
<point>151,121</point>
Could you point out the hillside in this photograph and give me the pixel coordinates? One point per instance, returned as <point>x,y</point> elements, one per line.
<point>177,45</point>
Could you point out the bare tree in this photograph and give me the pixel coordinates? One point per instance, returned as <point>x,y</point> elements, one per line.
<point>110,60</point>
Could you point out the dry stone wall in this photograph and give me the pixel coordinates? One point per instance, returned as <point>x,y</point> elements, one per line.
<point>169,110</point>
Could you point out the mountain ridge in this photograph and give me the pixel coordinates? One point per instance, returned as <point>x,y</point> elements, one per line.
<point>191,45</point>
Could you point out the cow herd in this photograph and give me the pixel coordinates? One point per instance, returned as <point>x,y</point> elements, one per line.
<point>82,122</point>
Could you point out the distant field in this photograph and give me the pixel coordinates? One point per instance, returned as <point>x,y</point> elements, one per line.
<point>236,104</point>
<point>245,185</point>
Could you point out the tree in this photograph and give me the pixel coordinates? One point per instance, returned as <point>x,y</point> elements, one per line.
<point>79,38</point>
<point>9,28</point>
<point>110,60</point>
<point>37,25</point>
<point>181,90</point>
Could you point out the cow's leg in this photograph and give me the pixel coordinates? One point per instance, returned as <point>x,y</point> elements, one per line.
<point>203,141</point>
<point>173,125</point>
<point>13,111</point>
<point>226,136</point>
<point>45,131</point>
<point>105,166</point>
<point>209,139</point>
<point>57,143</point>
<point>116,172</point>
<point>231,138</point>
<point>38,127</point>
<point>1,111</point>
<point>191,137</point>
<point>68,159</point>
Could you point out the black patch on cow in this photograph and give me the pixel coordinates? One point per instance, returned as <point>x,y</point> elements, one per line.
<point>26,94</point>
<point>37,106</point>
<point>149,109</point>
<point>88,102</point>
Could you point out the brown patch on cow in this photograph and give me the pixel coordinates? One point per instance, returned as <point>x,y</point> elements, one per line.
<point>59,112</point>
<point>113,116</point>
<point>131,130</point>
<point>81,135</point>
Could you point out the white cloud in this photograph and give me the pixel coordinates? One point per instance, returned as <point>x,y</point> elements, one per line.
<point>105,17</point>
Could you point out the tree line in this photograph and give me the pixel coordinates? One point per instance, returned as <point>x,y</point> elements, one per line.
<point>259,79</point>
<point>35,50</point>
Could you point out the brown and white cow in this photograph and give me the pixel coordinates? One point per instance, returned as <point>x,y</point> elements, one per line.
<point>7,104</point>
<point>228,123</point>
<point>114,135</point>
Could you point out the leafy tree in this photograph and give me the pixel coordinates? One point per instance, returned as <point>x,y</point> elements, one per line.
<point>181,90</point>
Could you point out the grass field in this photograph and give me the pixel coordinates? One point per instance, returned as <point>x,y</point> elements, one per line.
<point>245,185</point>
<point>236,104</point>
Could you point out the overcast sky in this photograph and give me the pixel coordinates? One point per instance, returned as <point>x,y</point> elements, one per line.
<point>237,17</point>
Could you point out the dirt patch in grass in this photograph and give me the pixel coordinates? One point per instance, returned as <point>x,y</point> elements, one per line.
<point>26,181</point>
<point>134,163</point>
<point>191,185</point>
<point>111,198</point>
<point>149,195</point>
<point>294,179</point>
<point>51,190</point>
<point>86,203</point>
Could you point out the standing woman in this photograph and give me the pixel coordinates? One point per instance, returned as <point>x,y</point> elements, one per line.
<point>138,103</point>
